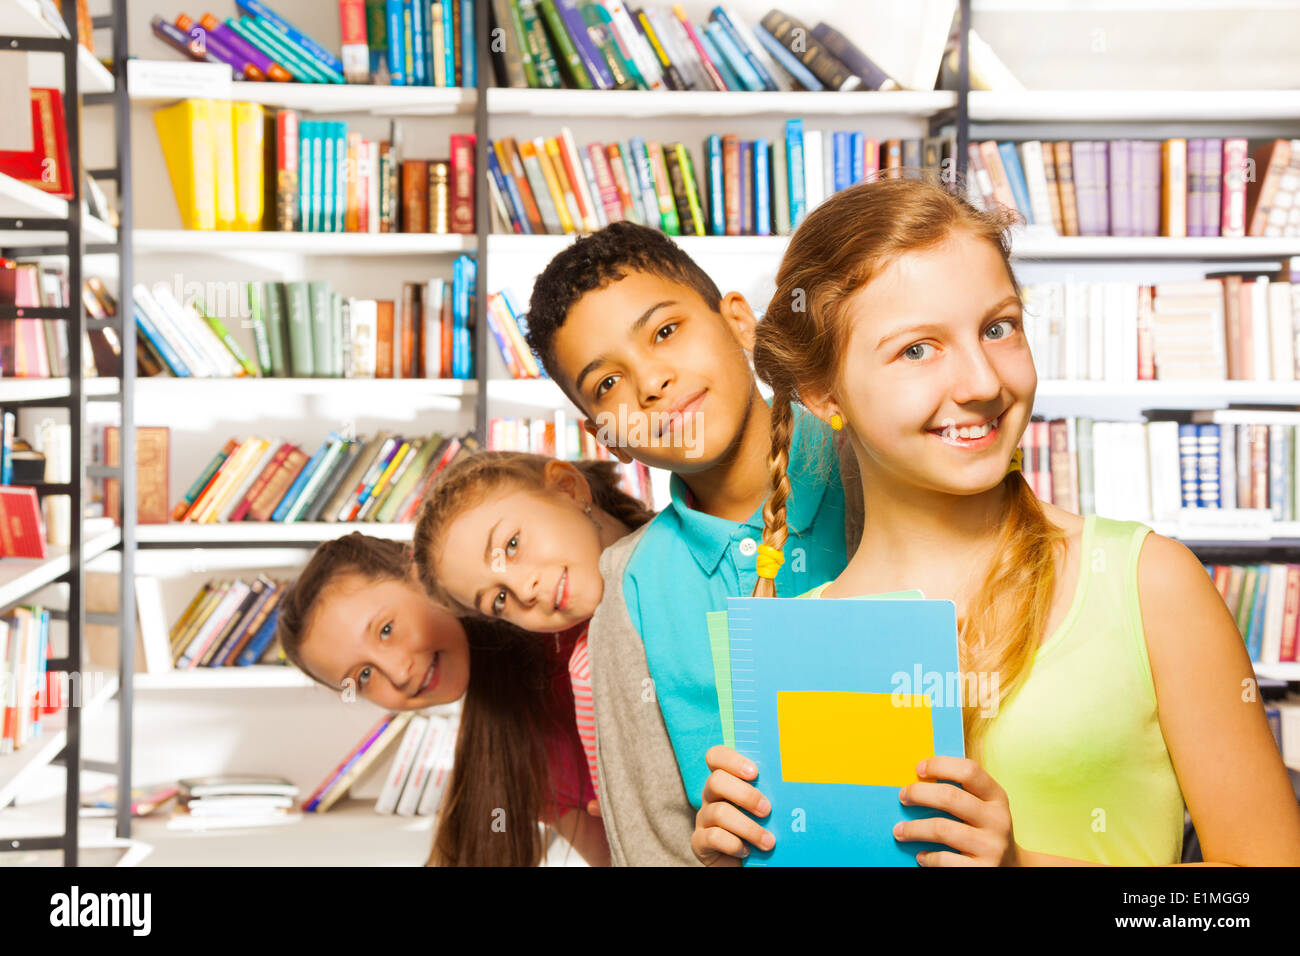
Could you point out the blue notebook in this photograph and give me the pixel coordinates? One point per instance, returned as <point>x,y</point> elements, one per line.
<point>836,701</point>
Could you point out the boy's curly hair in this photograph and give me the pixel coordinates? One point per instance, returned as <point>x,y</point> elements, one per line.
<point>592,263</point>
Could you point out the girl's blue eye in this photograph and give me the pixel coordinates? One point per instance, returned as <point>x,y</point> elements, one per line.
<point>665,331</point>
<point>1010,328</point>
<point>911,351</point>
<point>499,602</point>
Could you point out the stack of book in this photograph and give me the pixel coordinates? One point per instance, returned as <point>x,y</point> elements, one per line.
<point>38,348</point>
<point>381,478</point>
<point>1234,327</point>
<point>307,330</point>
<point>416,779</point>
<point>510,330</point>
<point>228,623</point>
<point>220,803</point>
<point>1161,468</point>
<point>1178,187</point>
<point>762,187</point>
<point>564,437</point>
<point>604,45</point>
<point>1265,602</point>
<point>239,166</point>
<point>30,690</point>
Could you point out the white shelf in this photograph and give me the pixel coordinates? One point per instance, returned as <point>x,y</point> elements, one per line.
<point>515,244</point>
<point>42,749</point>
<point>19,201</point>
<point>21,576</point>
<point>23,18</point>
<point>1288,671</point>
<point>1205,391</point>
<point>634,104</point>
<point>538,393</point>
<point>212,242</point>
<point>395,389</point>
<point>225,678</point>
<point>358,98</point>
<point>1131,106</point>
<point>1030,246</point>
<point>256,533</point>
<point>32,389</point>
<point>46,70</point>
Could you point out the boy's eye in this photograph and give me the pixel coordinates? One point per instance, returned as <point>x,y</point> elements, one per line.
<point>499,602</point>
<point>1007,327</point>
<point>665,331</point>
<point>605,384</point>
<point>386,631</point>
<point>364,677</point>
<point>914,352</point>
<point>512,546</point>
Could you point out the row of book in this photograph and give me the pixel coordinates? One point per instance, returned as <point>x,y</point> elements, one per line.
<point>307,330</point>
<point>1265,602</point>
<point>1178,187</point>
<point>418,775</point>
<point>509,328</point>
<point>380,478</point>
<point>229,622</point>
<point>1157,470</point>
<point>239,166</point>
<point>1233,327</point>
<point>605,45</point>
<point>38,348</point>
<point>548,185</point>
<point>30,690</point>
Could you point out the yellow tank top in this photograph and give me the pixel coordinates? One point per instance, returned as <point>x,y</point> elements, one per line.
<point>1078,748</point>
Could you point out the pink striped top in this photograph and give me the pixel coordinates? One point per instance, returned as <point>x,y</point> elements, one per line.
<point>583,708</point>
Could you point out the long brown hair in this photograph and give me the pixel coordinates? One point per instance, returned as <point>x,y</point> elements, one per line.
<point>501,774</point>
<point>799,348</point>
<point>471,479</point>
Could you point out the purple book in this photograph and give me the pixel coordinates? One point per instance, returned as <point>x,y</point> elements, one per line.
<point>591,56</point>
<point>1212,185</point>
<point>1081,160</point>
<point>1195,185</point>
<point>1151,179</point>
<point>1121,187</point>
<point>1101,177</point>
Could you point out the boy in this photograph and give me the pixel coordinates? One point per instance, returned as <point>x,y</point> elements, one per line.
<point>642,341</point>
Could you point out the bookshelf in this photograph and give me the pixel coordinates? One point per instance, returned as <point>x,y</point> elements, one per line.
<point>34,224</point>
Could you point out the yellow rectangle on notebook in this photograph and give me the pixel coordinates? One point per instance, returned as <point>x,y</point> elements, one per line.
<point>856,738</point>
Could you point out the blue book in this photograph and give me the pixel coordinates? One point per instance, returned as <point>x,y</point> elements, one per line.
<point>509,191</point>
<point>1208,490</point>
<point>590,55</point>
<point>645,179</point>
<point>318,176</point>
<point>300,482</point>
<point>836,702</point>
<point>310,46</point>
<point>7,449</point>
<point>1255,630</point>
<point>396,45</point>
<point>1189,465</point>
<point>734,56</point>
<point>794,170</point>
<point>1277,468</point>
<point>304,178</point>
<point>259,642</point>
<point>733,30</point>
<point>462,298</point>
<point>857,162</point>
<point>729,77</point>
<point>468,48</point>
<point>746,187</point>
<point>762,190</point>
<point>842,164</point>
<point>788,61</point>
<point>419,43</point>
<point>1016,176</point>
<point>329,175</point>
<point>340,176</point>
<point>165,351</point>
<point>717,200</point>
<point>448,43</point>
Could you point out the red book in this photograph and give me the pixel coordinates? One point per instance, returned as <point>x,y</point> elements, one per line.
<point>448,336</point>
<point>1145,336</point>
<point>462,183</point>
<point>261,482</point>
<point>1291,613</point>
<point>384,339</point>
<point>1232,222</point>
<point>731,183</point>
<point>21,532</point>
<point>46,166</point>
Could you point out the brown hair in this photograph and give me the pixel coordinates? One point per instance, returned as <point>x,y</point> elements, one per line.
<point>470,480</point>
<point>798,350</point>
<point>511,711</point>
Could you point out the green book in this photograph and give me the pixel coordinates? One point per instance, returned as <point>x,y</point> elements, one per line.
<point>568,53</point>
<point>277,326</point>
<point>298,308</point>
<point>322,337</point>
<point>600,30</point>
<point>514,23</point>
<point>667,205</point>
<point>692,193</point>
<point>337,335</point>
<point>538,45</point>
<point>1249,589</point>
<point>318,476</point>
<point>228,340</point>
<point>347,457</point>
<point>405,484</point>
<point>257,319</point>
<point>371,510</point>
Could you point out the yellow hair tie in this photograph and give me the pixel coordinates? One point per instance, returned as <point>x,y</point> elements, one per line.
<point>1016,460</point>
<point>769,561</point>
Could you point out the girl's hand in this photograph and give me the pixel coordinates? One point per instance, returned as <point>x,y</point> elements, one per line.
<point>720,828</point>
<point>981,835</point>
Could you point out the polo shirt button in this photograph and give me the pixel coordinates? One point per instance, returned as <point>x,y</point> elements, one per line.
<point>748,547</point>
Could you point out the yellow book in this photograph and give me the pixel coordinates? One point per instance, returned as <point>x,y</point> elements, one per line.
<point>548,154</point>
<point>223,144</point>
<point>222,482</point>
<point>250,131</point>
<point>382,483</point>
<point>210,600</point>
<point>185,133</point>
<point>511,329</point>
<point>247,463</point>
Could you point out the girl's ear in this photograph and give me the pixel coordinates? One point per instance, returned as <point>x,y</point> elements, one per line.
<point>565,478</point>
<point>823,405</point>
<point>596,432</point>
<point>740,319</point>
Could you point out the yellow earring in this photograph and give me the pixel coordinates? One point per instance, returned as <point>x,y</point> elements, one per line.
<point>1016,460</point>
<point>837,422</point>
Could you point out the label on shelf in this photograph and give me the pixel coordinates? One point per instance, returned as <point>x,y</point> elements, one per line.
<point>1225,523</point>
<point>166,79</point>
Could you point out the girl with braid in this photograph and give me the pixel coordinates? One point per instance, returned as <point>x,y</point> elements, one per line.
<point>1123,690</point>
<point>514,537</point>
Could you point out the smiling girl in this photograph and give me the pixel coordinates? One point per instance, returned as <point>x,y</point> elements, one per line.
<point>515,537</point>
<point>1124,688</point>
<point>357,619</point>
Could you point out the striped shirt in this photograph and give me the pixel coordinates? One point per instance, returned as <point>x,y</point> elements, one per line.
<point>583,709</point>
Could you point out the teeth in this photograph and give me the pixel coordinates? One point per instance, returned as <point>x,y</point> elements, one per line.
<point>973,432</point>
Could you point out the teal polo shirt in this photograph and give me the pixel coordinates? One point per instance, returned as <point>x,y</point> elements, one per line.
<point>688,563</point>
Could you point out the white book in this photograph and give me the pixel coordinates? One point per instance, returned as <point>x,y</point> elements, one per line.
<point>200,333</point>
<point>1101,470</point>
<point>500,217</point>
<point>646,61</point>
<point>1281,331</point>
<point>153,624</point>
<point>400,768</point>
<point>1261,328</point>
<point>436,785</point>
<point>1244,416</point>
<point>1140,502</point>
<point>1040,200</point>
<point>814,183</point>
<point>780,77</point>
<point>1056,326</point>
<point>567,143</point>
<point>1075,327</point>
<point>660,22</point>
<point>423,767</point>
<point>248,480</point>
<point>1295,317</point>
<point>597,205</point>
<point>1274,605</point>
<point>1113,319</point>
<point>433,294</point>
<point>1129,331</point>
<point>195,650</point>
<point>198,364</point>
<point>828,168</point>
<point>1228,465</point>
<point>250,447</point>
<point>375,212</point>
<point>1166,479</point>
<point>365,336</point>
